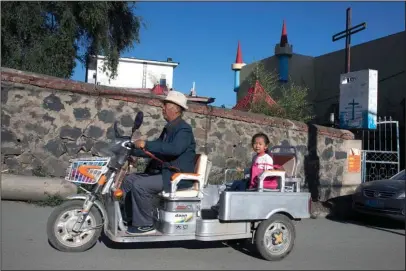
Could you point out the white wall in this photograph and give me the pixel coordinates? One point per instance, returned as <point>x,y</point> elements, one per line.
<point>130,74</point>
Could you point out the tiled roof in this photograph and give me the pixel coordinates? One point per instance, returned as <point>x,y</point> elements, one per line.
<point>159,90</point>
<point>255,94</point>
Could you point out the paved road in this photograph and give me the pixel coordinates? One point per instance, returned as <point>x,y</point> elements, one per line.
<point>321,244</point>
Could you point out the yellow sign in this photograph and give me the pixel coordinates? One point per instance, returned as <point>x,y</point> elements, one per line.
<point>354,161</point>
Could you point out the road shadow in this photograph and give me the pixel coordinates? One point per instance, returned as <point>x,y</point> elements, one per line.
<point>340,211</point>
<point>372,222</point>
<point>243,245</point>
<point>192,244</point>
<point>240,245</point>
<point>246,247</point>
<point>312,163</point>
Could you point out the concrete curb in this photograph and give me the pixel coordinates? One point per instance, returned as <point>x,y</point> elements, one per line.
<point>32,188</point>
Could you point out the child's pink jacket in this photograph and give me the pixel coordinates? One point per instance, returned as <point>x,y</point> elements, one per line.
<point>259,165</point>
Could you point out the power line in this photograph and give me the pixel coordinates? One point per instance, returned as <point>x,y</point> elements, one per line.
<point>379,81</point>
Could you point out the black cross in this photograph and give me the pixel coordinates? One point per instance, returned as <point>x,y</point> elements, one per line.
<point>353,108</point>
<point>347,33</point>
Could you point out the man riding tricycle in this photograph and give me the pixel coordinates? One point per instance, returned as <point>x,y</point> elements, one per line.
<point>172,199</point>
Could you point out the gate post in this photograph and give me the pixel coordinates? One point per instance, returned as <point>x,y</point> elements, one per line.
<point>363,165</point>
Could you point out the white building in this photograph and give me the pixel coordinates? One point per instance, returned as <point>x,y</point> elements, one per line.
<point>132,73</point>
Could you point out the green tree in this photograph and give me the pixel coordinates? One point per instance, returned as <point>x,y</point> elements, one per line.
<point>292,101</point>
<point>47,37</point>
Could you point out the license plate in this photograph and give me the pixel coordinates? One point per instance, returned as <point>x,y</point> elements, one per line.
<point>373,203</point>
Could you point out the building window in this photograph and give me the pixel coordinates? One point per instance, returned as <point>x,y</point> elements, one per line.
<point>162,82</point>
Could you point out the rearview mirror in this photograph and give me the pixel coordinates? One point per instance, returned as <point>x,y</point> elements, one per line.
<point>139,118</point>
<point>116,131</point>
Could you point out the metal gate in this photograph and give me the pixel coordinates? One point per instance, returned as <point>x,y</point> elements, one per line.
<point>381,153</point>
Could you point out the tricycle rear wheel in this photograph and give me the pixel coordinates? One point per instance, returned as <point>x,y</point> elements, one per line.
<point>275,237</point>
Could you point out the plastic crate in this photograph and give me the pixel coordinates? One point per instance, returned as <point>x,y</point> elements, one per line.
<point>73,175</point>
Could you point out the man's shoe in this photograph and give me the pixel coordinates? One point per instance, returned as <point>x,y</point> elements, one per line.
<point>140,230</point>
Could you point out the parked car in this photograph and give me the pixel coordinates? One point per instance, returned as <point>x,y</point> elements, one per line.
<point>382,197</point>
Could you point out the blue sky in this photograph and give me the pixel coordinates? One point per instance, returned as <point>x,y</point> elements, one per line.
<point>203,36</point>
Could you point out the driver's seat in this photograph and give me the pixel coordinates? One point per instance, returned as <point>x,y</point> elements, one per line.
<point>199,178</point>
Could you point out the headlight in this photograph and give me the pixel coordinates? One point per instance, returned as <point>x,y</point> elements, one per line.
<point>401,196</point>
<point>358,190</point>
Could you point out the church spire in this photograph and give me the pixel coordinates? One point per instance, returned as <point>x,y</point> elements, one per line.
<point>284,35</point>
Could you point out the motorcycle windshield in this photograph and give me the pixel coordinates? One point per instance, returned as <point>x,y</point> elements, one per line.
<point>112,149</point>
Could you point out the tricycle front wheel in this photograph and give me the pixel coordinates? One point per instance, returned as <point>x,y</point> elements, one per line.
<point>275,237</point>
<point>61,222</point>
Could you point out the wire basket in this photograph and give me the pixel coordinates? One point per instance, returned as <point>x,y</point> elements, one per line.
<point>73,175</point>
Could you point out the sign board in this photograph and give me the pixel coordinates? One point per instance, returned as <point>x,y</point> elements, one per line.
<point>358,99</point>
<point>354,161</point>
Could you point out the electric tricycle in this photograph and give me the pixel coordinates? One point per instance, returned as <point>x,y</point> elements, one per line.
<point>266,217</point>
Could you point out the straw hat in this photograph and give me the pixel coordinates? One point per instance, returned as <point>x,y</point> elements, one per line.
<point>178,98</point>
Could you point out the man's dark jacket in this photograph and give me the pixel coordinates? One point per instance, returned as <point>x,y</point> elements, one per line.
<point>176,146</point>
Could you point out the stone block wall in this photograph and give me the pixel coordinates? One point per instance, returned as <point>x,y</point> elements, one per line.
<point>46,121</point>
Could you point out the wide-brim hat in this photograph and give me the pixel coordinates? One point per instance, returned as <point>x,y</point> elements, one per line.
<point>178,98</point>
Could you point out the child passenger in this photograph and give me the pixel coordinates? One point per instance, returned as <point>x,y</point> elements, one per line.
<point>261,162</point>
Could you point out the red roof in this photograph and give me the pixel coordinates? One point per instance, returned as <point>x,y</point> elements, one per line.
<point>284,35</point>
<point>254,95</point>
<point>238,59</point>
<point>159,90</point>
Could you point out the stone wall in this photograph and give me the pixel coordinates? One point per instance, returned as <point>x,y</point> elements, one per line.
<point>46,121</point>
